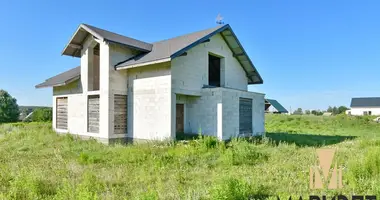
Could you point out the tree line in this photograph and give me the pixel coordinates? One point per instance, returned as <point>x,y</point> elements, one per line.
<point>10,111</point>
<point>333,110</point>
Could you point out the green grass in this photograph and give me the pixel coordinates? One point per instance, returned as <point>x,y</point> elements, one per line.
<point>36,163</point>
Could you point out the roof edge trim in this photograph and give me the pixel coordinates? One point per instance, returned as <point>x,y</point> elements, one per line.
<point>41,85</point>
<point>83,26</point>
<point>144,64</point>
<point>129,46</point>
<point>219,30</point>
<point>180,52</point>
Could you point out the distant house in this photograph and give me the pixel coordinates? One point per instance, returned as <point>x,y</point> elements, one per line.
<point>327,114</point>
<point>273,106</point>
<point>130,89</point>
<point>365,106</point>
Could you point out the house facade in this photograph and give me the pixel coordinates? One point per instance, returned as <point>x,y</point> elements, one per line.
<point>129,89</point>
<point>364,106</point>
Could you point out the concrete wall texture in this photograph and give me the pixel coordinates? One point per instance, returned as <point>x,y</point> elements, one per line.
<point>190,72</point>
<point>201,113</point>
<point>154,90</point>
<point>149,102</point>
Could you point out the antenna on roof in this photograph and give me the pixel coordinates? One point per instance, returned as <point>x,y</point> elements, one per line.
<point>219,19</point>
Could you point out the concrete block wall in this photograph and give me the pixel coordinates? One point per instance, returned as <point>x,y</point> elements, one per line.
<point>190,72</point>
<point>201,112</point>
<point>150,102</point>
<point>118,83</point>
<point>111,82</point>
<point>76,107</point>
<point>76,115</point>
<point>231,112</point>
<point>74,87</point>
<point>216,112</point>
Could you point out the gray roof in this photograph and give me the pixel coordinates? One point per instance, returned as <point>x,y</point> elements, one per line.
<point>61,79</point>
<point>365,102</point>
<point>174,47</point>
<point>277,105</point>
<point>165,48</point>
<point>84,30</point>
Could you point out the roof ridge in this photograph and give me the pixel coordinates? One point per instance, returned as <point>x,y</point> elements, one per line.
<point>215,27</point>
<point>366,97</point>
<point>92,27</point>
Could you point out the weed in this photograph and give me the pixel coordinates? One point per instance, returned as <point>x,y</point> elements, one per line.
<point>37,163</point>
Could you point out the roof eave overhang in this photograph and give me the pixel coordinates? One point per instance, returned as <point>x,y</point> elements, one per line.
<point>76,47</point>
<point>80,38</point>
<point>143,64</point>
<point>237,49</point>
<point>128,46</point>
<point>43,85</point>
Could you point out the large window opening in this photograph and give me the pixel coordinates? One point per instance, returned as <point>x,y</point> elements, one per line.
<point>214,69</point>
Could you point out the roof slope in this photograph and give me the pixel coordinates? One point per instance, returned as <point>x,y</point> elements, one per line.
<point>165,48</point>
<point>277,106</point>
<point>62,78</point>
<point>171,48</point>
<point>365,102</point>
<point>84,30</point>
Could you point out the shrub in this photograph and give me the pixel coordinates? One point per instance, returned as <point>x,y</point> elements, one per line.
<point>42,115</point>
<point>208,142</point>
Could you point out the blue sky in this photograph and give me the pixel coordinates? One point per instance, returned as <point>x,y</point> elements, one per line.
<point>311,54</point>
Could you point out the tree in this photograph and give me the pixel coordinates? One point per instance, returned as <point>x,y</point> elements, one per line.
<point>317,112</point>
<point>9,111</point>
<point>335,110</point>
<point>42,115</point>
<point>342,109</point>
<point>330,109</point>
<point>307,112</point>
<point>298,111</point>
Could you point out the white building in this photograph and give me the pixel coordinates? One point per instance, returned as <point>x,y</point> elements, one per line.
<point>129,89</point>
<point>365,106</point>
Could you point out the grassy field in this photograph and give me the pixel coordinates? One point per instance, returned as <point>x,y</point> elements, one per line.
<point>36,163</point>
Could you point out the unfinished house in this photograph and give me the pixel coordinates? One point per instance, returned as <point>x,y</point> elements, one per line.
<point>129,89</point>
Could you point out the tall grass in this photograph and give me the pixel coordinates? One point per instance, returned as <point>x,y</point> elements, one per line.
<point>36,163</point>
